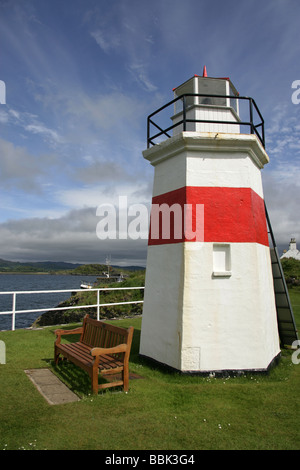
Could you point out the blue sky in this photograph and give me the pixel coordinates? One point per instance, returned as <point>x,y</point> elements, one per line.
<point>81,77</point>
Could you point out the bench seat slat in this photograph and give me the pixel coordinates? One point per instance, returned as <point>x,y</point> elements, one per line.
<point>109,362</point>
<point>78,351</point>
<point>82,353</point>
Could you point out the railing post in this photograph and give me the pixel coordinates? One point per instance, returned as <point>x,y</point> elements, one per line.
<point>251,116</point>
<point>263,132</point>
<point>13,320</point>
<point>98,304</point>
<point>183,98</point>
<point>184,113</point>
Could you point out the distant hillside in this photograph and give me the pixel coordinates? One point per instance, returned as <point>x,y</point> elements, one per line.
<point>62,267</point>
<point>102,269</point>
<point>95,270</point>
<point>40,266</point>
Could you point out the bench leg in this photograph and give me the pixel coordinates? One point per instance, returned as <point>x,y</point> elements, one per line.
<point>125,377</point>
<point>56,357</point>
<point>94,378</point>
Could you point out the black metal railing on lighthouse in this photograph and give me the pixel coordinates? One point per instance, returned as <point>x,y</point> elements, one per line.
<point>250,116</point>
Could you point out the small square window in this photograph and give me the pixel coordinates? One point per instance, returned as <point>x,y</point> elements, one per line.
<point>221,260</point>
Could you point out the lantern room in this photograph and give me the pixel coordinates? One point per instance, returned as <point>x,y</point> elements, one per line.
<point>206,99</point>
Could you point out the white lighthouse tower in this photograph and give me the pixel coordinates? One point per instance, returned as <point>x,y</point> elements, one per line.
<point>209,298</point>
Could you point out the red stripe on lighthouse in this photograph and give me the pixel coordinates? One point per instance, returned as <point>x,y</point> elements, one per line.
<point>233,215</point>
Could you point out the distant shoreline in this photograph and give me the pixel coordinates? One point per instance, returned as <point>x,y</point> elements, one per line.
<point>47,273</point>
<point>26,272</point>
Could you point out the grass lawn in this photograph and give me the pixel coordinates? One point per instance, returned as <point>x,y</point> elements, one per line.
<point>162,411</point>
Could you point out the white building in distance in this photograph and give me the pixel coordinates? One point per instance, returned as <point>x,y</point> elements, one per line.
<point>292,251</point>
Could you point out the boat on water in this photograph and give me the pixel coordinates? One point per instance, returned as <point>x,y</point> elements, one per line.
<point>86,285</point>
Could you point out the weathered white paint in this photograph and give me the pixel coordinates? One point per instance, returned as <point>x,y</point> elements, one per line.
<point>207,159</point>
<point>208,113</point>
<point>233,320</point>
<point>195,321</point>
<point>161,336</point>
<point>197,316</point>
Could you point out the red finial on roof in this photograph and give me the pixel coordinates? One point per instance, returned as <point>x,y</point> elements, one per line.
<point>204,71</point>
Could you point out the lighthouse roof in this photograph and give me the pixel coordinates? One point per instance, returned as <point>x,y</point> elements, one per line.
<point>205,78</point>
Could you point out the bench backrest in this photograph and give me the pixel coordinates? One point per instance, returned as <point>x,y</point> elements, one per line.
<point>102,335</point>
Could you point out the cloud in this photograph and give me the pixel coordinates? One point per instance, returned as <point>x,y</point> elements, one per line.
<point>113,111</point>
<point>105,40</point>
<point>86,116</point>
<point>71,237</point>
<point>281,177</point>
<point>281,189</point>
<point>49,134</point>
<point>119,32</point>
<point>103,171</point>
<point>18,168</point>
<point>109,193</point>
<point>141,76</point>
<point>32,125</point>
<point>3,117</point>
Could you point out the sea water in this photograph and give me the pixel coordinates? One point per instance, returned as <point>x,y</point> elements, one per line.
<point>34,282</point>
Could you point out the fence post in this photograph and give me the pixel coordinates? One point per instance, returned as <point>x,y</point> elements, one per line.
<point>98,304</point>
<point>13,320</point>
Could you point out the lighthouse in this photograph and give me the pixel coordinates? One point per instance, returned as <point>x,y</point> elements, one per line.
<point>209,303</point>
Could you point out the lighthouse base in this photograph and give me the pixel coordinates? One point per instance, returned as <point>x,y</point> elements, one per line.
<point>209,302</point>
<point>217,373</point>
<point>219,319</point>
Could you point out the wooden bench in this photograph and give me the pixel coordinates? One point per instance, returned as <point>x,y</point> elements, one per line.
<point>102,348</point>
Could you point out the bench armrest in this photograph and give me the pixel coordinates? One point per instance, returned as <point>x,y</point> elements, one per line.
<point>59,333</point>
<point>69,332</point>
<point>117,349</point>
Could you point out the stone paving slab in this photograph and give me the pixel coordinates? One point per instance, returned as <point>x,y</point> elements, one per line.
<point>52,389</point>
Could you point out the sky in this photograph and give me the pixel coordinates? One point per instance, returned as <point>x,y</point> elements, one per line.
<point>81,77</point>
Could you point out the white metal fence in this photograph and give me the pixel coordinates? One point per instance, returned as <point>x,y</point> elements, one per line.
<point>14,294</point>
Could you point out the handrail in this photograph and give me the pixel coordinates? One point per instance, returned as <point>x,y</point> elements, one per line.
<point>252,106</point>
<point>13,312</point>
